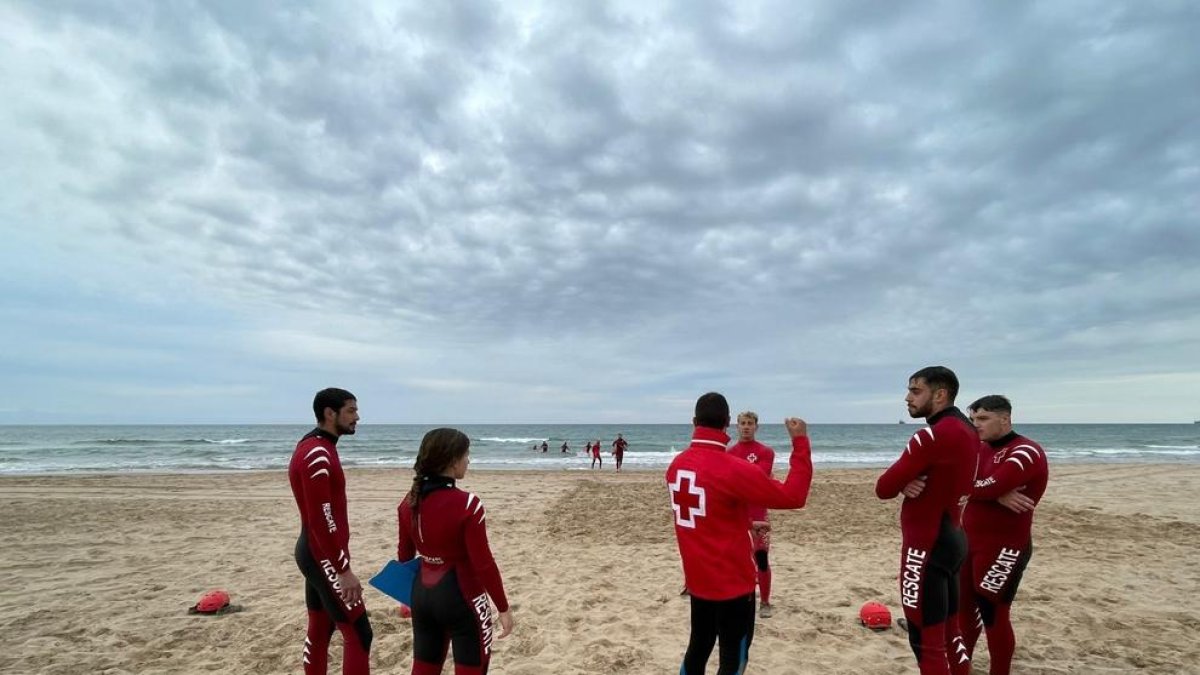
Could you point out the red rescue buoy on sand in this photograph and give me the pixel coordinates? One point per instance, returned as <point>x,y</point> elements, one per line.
<point>213,602</point>
<point>405,612</point>
<point>875,615</point>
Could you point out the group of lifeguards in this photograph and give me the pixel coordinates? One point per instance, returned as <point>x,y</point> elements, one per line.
<point>970,487</point>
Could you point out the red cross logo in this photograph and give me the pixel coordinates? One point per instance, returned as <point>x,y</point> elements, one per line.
<point>687,499</point>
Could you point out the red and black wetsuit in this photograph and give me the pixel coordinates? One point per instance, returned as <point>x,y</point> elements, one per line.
<point>458,573</point>
<point>762,456</point>
<point>322,552</point>
<point>933,545</point>
<point>619,446</point>
<point>712,493</point>
<point>1000,542</point>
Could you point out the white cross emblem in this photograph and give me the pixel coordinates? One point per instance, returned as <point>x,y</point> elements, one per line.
<point>688,502</point>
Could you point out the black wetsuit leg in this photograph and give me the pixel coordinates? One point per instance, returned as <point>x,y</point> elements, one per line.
<point>319,593</point>
<point>730,621</point>
<point>442,612</point>
<point>933,627</point>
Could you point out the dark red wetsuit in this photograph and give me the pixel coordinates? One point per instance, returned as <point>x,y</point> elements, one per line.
<point>323,551</point>
<point>933,545</point>
<point>712,493</point>
<point>762,456</point>
<point>999,542</point>
<point>458,573</point>
<point>619,446</point>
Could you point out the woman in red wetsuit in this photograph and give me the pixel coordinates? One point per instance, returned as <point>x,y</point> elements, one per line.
<point>445,526</point>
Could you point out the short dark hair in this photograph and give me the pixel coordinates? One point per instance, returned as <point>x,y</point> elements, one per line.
<point>992,403</point>
<point>330,398</point>
<point>712,410</point>
<point>938,377</point>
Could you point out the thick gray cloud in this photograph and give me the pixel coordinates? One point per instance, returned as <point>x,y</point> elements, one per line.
<point>578,211</point>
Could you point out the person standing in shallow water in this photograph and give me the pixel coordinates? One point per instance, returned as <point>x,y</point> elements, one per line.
<point>618,450</point>
<point>445,526</point>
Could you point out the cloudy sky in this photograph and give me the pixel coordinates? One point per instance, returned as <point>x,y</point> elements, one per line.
<point>594,212</point>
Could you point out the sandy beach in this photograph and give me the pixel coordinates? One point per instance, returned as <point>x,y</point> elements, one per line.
<point>101,570</point>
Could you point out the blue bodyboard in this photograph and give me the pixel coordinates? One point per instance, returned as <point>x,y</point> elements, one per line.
<point>396,579</point>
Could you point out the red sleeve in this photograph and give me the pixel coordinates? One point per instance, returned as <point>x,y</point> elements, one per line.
<point>480,552</point>
<point>758,489</point>
<point>329,540</point>
<point>913,462</point>
<point>406,548</point>
<point>1016,470</point>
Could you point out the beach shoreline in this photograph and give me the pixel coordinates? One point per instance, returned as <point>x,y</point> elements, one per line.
<point>106,565</point>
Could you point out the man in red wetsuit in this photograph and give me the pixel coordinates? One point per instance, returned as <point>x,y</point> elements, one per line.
<point>332,592</point>
<point>1009,483</point>
<point>596,455</point>
<point>935,473</point>
<point>762,456</point>
<point>618,451</point>
<point>712,493</point>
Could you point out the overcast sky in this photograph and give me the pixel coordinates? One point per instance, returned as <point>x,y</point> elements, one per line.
<point>595,212</point>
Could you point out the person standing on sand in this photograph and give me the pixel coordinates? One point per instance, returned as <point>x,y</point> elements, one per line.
<point>445,526</point>
<point>710,492</point>
<point>762,456</point>
<point>935,474</point>
<point>1009,482</point>
<point>332,592</point>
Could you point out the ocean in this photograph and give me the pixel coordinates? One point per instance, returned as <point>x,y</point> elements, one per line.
<point>27,450</point>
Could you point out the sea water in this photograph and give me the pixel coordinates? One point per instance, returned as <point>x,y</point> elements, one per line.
<point>164,448</point>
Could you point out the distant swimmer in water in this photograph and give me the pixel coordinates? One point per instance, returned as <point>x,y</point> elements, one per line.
<point>545,446</point>
<point>565,448</point>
